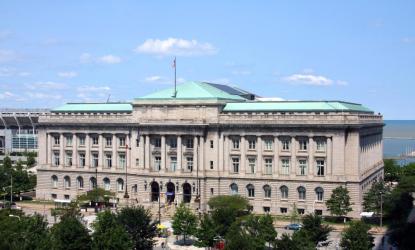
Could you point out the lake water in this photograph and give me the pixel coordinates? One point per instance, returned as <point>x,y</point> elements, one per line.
<point>399,137</point>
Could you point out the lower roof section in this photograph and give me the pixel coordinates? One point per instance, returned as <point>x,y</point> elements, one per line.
<point>297,106</point>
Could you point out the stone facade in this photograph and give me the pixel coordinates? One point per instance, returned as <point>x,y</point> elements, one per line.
<point>193,149</point>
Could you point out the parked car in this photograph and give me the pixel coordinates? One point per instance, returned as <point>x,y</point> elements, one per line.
<point>293,226</point>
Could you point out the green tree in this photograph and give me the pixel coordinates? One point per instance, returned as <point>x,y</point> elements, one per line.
<point>70,234</point>
<point>139,225</point>
<point>30,161</point>
<point>392,170</point>
<point>294,215</point>
<point>238,238</point>
<point>184,222</point>
<point>316,231</point>
<point>232,202</point>
<point>403,236</point>
<point>96,195</point>
<point>206,232</point>
<point>339,202</point>
<point>357,237</point>
<point>298,241</point>
<point>372,199</point>
<point>109,234</point>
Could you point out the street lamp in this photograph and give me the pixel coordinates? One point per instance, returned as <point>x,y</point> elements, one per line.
<point>160,189</point>
<point>381,208</point>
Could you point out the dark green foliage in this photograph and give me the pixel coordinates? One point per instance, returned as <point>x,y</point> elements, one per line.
<point>398,203</point>
<point>404,236</point>
<point>206,232</point>
<point>28,232</point>
<point>184,222</point>
<point>314,229</point>
<point>22,181</point>
<point>96,195</point>
<point>70,234</point>
<point>232,202</point>
<point>137,221</point>
<point>392,170</point>
<point>357,237</point>
<point>30,161</point>
<point>298,241</point>
<point>109,234</point>
<point>371,200</point>
<point>339,202</point>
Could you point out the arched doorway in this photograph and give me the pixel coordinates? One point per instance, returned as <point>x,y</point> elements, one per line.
<point>187,193</point>
<point>155,191</point>
<point>170,192</point>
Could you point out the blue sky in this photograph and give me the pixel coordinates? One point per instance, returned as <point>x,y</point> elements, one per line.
<point>52,52</point>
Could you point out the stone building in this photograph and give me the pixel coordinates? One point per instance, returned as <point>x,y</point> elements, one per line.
<point>208,139</point>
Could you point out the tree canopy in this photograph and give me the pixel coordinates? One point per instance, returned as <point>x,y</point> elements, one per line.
<point>372,198</point>
<point>339,202</point>
<point>184,222</point>
<point>313,227</point>
<point>357,237</point>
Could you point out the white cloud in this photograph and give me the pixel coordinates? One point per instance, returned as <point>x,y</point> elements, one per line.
<point>90,93</point>
<point>90,88</point>
<point>109,59</point>
<point>308,79</point>
<point>163,80</point>
<point>5,34</point>
<point>7,56</point>
<point>408,40</point>
<point>4,72</point>
<point>6,95</point>
<point>48,85</point>
<point>343,83</point>
<point>41,95</point>
<point>68,74</point>
<point>175,46</point>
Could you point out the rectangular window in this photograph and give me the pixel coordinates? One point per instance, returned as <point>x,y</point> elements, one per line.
<point>82,160</point>
<point>69,141</point>
<point>66,197</point>
<point>318,212</point>
<point>68,160</point>
<point>212,191</point>
<point>321,145</point>
<point>82,141</point>
<point>95,140</point>
<point>283,210</point>
<point>122,141</point>
<point>251,165</point>
<point>54,196</point>
<point>108,160</point>
<point>302,167</point>
<point>251,143</point>
<point>56,140</point>
<point>173,143</point>
<point>108,141</point>
<point>303,145</point>
<point>301,211</point>
<point>157,142</point>
<point>268,144</point>
<point>286,145</point>
<point>157,163</point>
<point>235,164</point>
<point>267,209</point>
<point>56,160</point>
<point>268,166</point>
<point>137,162</point>
<point>121,160</point>
<point>235,143</point>
<point>189,143</point>
<point>320,167</point>
<point>94,160</point>
<point>211,164</point>
<point>173,163</point>
<point>211,143</point>
<point>285,166</point>
<point>189,161</point>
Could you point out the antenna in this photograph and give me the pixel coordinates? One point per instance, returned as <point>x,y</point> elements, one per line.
<point>175,89</point>
<point>108,99</point>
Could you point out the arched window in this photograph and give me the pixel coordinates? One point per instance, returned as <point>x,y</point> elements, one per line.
<point>301,193</point>
<point>250,190</point>
<point>107,184</point>
<point>319,194</point>
<point>54,181</point>
<point>120,185</point>
<point>80,182</point>
<point>92,183</point>
<point>234,189</point>
<point>67,182</point>
<point>267,191</point>
<point>284,192</point>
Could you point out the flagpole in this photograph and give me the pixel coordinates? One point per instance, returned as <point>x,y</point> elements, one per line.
<point>175,90</point>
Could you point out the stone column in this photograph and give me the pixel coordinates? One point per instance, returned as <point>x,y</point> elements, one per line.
<point>87,150</point>
<point>329,153</point>
<point>226,143</point>
<point>259,153</point>
<point>221,162</point>
<point>243,156</point>
<point>147,153</point>
<point>114,152</point>
<point>61,150</point>
<point>311,151</point>
<point>141,152</point>
<point>49,149</point>
<point>128,151</point>
<point>195,153</point>
<point>276,154</point>
<point>100,152</point>
<point>293,160</point>
<point>163,153</point>
<point>202,161</point>
<point>75,162</point>
<point>179,153</point>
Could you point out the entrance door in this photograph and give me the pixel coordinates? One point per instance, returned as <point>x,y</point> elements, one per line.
<point>187,193</point>
<point>170,192</point>
<point>155,191</point>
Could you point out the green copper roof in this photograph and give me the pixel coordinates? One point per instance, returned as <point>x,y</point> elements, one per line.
<point>94,107</point>
<point>195,91</point>
<point>306,106</point>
